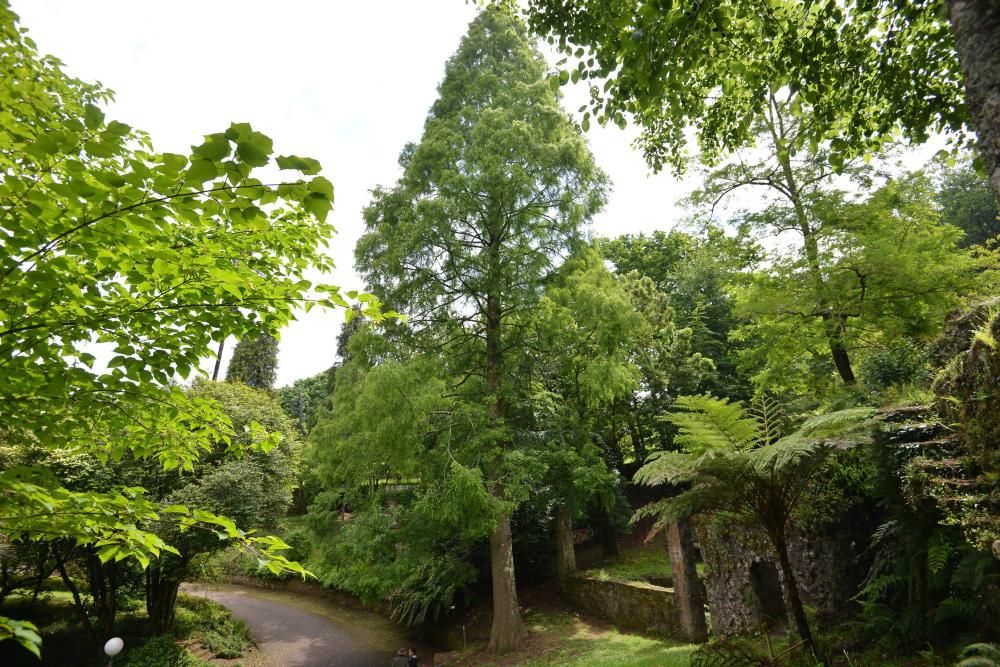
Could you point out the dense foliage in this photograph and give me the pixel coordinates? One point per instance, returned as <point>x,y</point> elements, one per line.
<point>774,363</point>
<point>495,192</point>
<point>255,362</point>
<point>864,71</point>
<point>110,248</point>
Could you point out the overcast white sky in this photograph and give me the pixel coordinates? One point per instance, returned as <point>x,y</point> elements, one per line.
<point>348,83</point>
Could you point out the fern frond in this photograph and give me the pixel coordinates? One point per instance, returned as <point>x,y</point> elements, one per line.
<point>885,531</point>
<point>955,608</point>
<point>853,424</point>
<point>693,501</point>
<point>980,655</point>
<point>785,455</point>
<point>939,551</point>
<point>666,467</point>
<point>877,587</point>
<point>705,423</point>
<point>771,417</point>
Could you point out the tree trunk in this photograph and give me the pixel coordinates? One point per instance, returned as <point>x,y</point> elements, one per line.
<point>565,552</point>
<point>835,326</point>
<point>976,27</point>
<point>605,529</point>
<point>508,629</point>
<point>103,581</point>
<point>791,586</point>
<point>638,445</point>
<point>161,599</point>
<point>81,609</point>
<point>835,332</point>
<point>687,588</point>
<point>218,360</point>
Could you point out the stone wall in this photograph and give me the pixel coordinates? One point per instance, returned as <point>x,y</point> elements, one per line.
<point>743,580</point>
<point>633,605</point>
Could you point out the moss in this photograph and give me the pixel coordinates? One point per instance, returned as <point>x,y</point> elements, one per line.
<point>964,482</point>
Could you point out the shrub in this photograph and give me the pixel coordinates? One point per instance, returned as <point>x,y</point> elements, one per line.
<point>902,363</point>
<point>160,652</point>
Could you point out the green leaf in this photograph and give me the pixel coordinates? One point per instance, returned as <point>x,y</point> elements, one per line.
<point>307,166</point>
<point>322,186</point>
<point>202,170</point>
<point>318,204</point>
<point>215,148</point>
<point>255,150</point>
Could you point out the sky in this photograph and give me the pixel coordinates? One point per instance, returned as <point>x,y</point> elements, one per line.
<point>347,83</point>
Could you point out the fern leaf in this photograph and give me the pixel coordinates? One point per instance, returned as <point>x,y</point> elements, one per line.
<point>785,455</point>
<point>938,553</point>
<point>707,423</point>
<point>666,467</point>
<point>980,655</point>
<point>853,426</point>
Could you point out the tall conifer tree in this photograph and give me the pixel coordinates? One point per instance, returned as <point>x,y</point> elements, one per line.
<point>495,192</point>
<point>255,362</point>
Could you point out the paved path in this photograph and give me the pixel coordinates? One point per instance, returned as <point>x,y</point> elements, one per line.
<point>294,630</point>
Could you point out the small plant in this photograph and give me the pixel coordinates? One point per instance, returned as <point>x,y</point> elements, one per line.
<point>984,332</point>
<point>980,655</point>
<point>159,652</point>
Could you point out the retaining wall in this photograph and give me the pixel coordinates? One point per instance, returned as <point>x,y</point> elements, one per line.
<point>627,604</point>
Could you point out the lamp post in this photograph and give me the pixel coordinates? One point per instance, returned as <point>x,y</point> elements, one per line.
<point>113,647</point>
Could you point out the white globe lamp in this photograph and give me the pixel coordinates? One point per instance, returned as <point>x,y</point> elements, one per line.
<point>113,647</point>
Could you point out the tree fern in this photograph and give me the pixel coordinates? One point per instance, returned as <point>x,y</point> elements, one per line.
<point>740,461</point>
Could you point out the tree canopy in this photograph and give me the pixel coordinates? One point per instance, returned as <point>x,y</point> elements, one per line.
<point>495,192</point>
<point>119,267</point>
<point>255,362</point>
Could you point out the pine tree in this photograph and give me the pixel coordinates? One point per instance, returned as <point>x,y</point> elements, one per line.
<point>255,362</point>
<point>497,189</point>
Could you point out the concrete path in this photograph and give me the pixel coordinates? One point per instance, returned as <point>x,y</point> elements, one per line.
<point>294,630</point>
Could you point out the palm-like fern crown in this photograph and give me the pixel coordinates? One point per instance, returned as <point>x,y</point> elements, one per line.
<point>729,453</point>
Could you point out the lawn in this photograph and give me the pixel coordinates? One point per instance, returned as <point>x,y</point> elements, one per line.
<point>560,637</point>
<point>645,562</point>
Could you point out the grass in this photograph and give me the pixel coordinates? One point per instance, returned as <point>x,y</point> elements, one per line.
<point>638,564</point>
<point>646,562</point>
<point>584,644</point>
<point>559,637</point>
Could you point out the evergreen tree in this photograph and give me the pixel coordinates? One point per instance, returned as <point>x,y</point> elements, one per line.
<point>498,188</point>
<point>255,362</point>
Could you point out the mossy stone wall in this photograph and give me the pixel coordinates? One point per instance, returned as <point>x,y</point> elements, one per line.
<point>627,604</point>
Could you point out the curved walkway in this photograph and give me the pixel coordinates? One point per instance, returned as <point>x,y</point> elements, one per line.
<point>298,631</point>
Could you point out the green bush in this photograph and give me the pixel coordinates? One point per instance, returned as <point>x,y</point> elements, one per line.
<point>223,646</point>
<point>195,615</point>
<point>897,365</point>
<point>212,625</point>
<point>159,652</point>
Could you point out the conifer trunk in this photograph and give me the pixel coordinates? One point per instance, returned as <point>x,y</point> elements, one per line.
<point>976,27</point>
<point>508,628</point>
